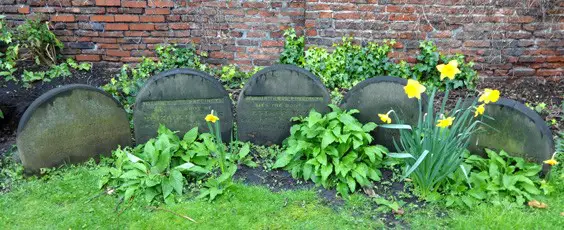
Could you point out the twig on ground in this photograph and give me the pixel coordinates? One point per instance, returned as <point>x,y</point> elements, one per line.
<point>174,213</point>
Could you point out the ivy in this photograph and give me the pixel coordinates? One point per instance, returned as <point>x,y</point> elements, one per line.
<point>349,64</point>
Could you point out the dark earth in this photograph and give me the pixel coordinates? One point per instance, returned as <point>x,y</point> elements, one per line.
<point>15,99</point>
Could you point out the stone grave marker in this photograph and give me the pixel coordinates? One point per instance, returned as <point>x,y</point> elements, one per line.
<point>272,97</point>
<point>517,130</point>
<point>379,95</point>
<point>180,99</point>
<point>71,124</point>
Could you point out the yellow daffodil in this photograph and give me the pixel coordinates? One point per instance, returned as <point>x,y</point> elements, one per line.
<point>414,89</point>
<point>551,162</point>
<point>449,70</point>
<point>480,110</point>
<point>446,122</point>
<point>211,118</point>
<point>489,95</point>
<point>385,118</point>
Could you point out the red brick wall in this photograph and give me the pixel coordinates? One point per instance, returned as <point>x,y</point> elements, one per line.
<point>506,38</point>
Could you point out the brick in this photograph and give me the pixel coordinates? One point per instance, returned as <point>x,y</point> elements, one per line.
<point>157,11</point>
<point>179,26</point>
<point>521,71</point>
<point>118,53</point>
<point>161,3</point>
<point>126,18</point>
<point>141,27</point>
<point>102,18</point>
<point>152,18</point>
<point>116,26</point>
<point>403,17</point>
<point>108,2</point>
<point>134,4</point>
<point>23,10</point>
<point>62,18</point>
<point>272,44</point>
<point>550,72</point>
<point>82,2</point>
<point>87,57</point>
<point>476,43</point>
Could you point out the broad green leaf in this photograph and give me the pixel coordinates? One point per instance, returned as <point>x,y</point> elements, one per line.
<point>150,194</point>
<point>132,174</point>
<point>185,166</point>
<point>245,150</point>
<point>369,126</point>
<point>163,162</point>
<point>322,158</point>
<point>191,136</point>
<point>133,158</point>
<point>400,155</point>
<point>351,183</point>
<point>167,187</point>
<point>129,193</point>
<point>307,171</point>
<point>328,139</point>
<point>326,170</point>
<point>282,161</point>
<point>177,181</point>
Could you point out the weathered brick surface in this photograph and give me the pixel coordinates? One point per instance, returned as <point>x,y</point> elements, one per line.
<point>505,38</point>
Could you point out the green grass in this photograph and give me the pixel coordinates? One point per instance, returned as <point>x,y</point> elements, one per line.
<point>62,203</point>
<point>68,200</point>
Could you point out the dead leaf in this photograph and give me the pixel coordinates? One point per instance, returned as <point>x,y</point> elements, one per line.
<point>408,180</point>
<point>537,204</point>
<point>398,212</point>
<point>562,214</point>
<point>369,192</point>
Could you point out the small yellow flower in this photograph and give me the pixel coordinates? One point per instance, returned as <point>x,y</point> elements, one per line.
<point>551,162</point>
<point>449,70</point>
<point>211,118</point>
<point>385,118</point>
<point>446,122</point>
<point>414,89</point>
<point>480,110</point>
<point>489,95</point>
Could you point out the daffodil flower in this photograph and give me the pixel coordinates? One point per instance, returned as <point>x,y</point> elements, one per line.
<point>445,122</point>
<point>480,110</point>
<point>551,161</point>
<point>489,95</point>
<point>414,89</point>
<point>449,70</point>
<point>385,117</point>
<point>211,118</point>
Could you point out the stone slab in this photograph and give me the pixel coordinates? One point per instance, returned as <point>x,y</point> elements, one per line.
<point>71,124</point>
<point>272,97</point>
<point>379,95</point>
<point>180,99</point>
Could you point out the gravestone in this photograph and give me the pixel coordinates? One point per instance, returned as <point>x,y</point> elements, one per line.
<point>515,129</point>
<point>180,99</point>
<point>272,97</point>
<point>379,95</point>
<point>71,124</point>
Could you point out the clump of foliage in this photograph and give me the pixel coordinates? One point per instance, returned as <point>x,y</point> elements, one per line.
<point>55,71</point>
<point>497,179</point>
<point>161,166</point>
<point>232,77</point>
<point>432,151</point>
<point>43,44</point>
<point>10,171</point>
<point>349,64</point>
<point>332,150</point>
<point>9,57</point>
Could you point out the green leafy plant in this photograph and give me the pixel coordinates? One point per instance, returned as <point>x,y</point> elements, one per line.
<point>497,179</point>
<point>36,36</point>
<point>60,70</point>
<point>430,150</point>
<point>9,57</point>
<point>232,77</point>
<point>228,158</point>
<point>159,169</point>
<point>540,108</point>
<point>84,66</point>
<point>293,52</point>
<point>11,172</point>
<point>332,150</point>
<point>1,115</point>
<point>349,63</point>
<point>267,155</point>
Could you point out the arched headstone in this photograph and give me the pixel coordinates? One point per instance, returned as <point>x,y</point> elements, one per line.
<point>515,129</point>
<point>379,95</point>
<point>272,97</point>
<point>71,124</point>
<point>180,99</point>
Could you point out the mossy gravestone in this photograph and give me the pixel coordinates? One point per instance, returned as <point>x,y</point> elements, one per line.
<point>180,99</point>
<point>71,124</point>
<point>379,95</point>
<point>272,97</point>
<point>516,129</point>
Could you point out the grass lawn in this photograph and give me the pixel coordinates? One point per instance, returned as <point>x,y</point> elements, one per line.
<point>69,200</point>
